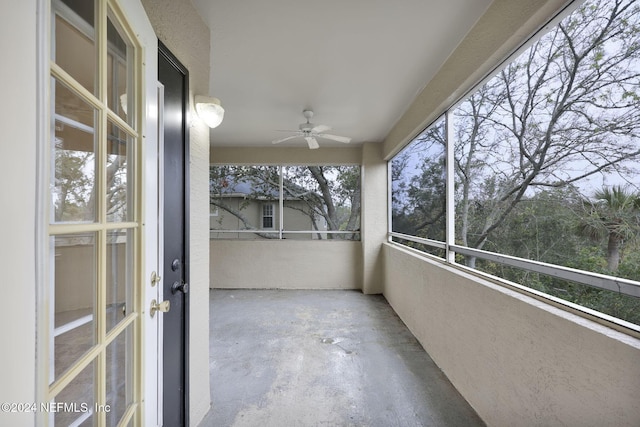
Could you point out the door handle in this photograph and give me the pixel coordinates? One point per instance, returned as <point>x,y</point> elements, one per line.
<point>179,286</point>
<point>163,306</point>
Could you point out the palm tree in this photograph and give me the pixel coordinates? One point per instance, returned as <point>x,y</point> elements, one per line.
<point>615,215</point>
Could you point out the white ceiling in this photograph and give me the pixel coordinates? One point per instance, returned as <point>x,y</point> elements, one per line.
<point>357,63</point>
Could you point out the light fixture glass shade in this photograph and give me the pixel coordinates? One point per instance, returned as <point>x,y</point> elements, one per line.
<point>209,110</point>
<point>123,102</point>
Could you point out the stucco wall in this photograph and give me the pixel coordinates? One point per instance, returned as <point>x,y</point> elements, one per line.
<point>374,216</point>
<point>286,264</point>
<point>179,26</point>
<point>284,156</point>
<point>199,390</point>
<point>17,220</point>
<point>362,267</point>
<point>181,29</point>
<point>517,361</point>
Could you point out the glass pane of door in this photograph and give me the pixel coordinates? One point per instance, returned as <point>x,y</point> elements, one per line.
<point>119,170</point>
<point>73,180</point>
<point>75,404</point>
<point>119,379</point>
<point>74,47</point>
<point>119,276</point>
<point>74,277</point>
<point>119,69</point>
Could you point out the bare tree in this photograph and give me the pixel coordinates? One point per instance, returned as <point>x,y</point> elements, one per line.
<point>564,111</point>
<point>315,191</point>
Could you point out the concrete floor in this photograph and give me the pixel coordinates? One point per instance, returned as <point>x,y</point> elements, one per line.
<point>322,358</point>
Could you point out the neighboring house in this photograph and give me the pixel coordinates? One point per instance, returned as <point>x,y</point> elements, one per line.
<point>250,206</point>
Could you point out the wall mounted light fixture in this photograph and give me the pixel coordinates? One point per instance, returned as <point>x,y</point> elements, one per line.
<point>123,102</point>
<point>209,110</point>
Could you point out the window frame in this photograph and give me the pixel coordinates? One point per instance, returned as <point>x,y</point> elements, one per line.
<point>278,232</point>
<point>451,248</point>
<point>266,206</point>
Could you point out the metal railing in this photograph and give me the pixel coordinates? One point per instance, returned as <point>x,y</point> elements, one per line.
<point>278,234</point>
<point>596,280</point>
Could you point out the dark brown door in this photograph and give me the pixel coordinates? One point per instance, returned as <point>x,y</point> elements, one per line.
<point>174,78</point>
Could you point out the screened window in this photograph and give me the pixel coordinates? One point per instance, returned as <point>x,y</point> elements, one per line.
<point>545,166</point>
<point>418,189</point>
<point>292,202</point>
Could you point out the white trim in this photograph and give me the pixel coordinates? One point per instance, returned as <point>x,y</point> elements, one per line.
<point>44,319</point>
<point>159,382</point>
<point>280,201</point>
<point>264,215</point>
<point>138,20</point>
<point>450,204</point>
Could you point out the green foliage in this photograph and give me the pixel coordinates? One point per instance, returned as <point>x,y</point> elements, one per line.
<point>418,181</point>
<point>530,148</point>
<point>331,193</point>
<point>613,215</point>
<point>73,185</point>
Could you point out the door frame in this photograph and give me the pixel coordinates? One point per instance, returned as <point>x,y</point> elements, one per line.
<point>173,60</point>
<point>151,262</point>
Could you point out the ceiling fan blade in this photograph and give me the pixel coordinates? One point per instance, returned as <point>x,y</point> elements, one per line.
<point>277,141</point>
<point>313,143</point>
<point>320,128</point>
<point>344,139</point>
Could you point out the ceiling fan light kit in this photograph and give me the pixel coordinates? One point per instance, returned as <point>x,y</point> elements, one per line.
<point>310,132</point>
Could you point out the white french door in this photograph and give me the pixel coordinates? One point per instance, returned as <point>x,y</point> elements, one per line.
<point>102,218</point>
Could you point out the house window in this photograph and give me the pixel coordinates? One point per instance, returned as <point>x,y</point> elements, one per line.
<point>313,202</point>
<point>267,216</point>
<point>543,178</point>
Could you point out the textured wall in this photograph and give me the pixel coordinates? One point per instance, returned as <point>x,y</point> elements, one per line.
<point>199,393</point>
<point>374,216</point>
<point>179,26</point>
<point>285,264</point>
<point>181,29</point>
<point>517,361</point>
<point>368,268</point>
<point>291,156</point>
<point>18,175</point>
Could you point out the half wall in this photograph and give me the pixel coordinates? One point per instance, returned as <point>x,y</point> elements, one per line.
<point>518,361</point>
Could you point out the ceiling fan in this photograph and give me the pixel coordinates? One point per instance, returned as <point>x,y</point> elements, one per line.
<point>310,132</point>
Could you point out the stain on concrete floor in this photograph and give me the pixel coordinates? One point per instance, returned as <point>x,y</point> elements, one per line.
<point>287,358</point>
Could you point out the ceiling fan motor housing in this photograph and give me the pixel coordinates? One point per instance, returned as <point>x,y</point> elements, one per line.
<point>309,132</point>
<point>306,127</point>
